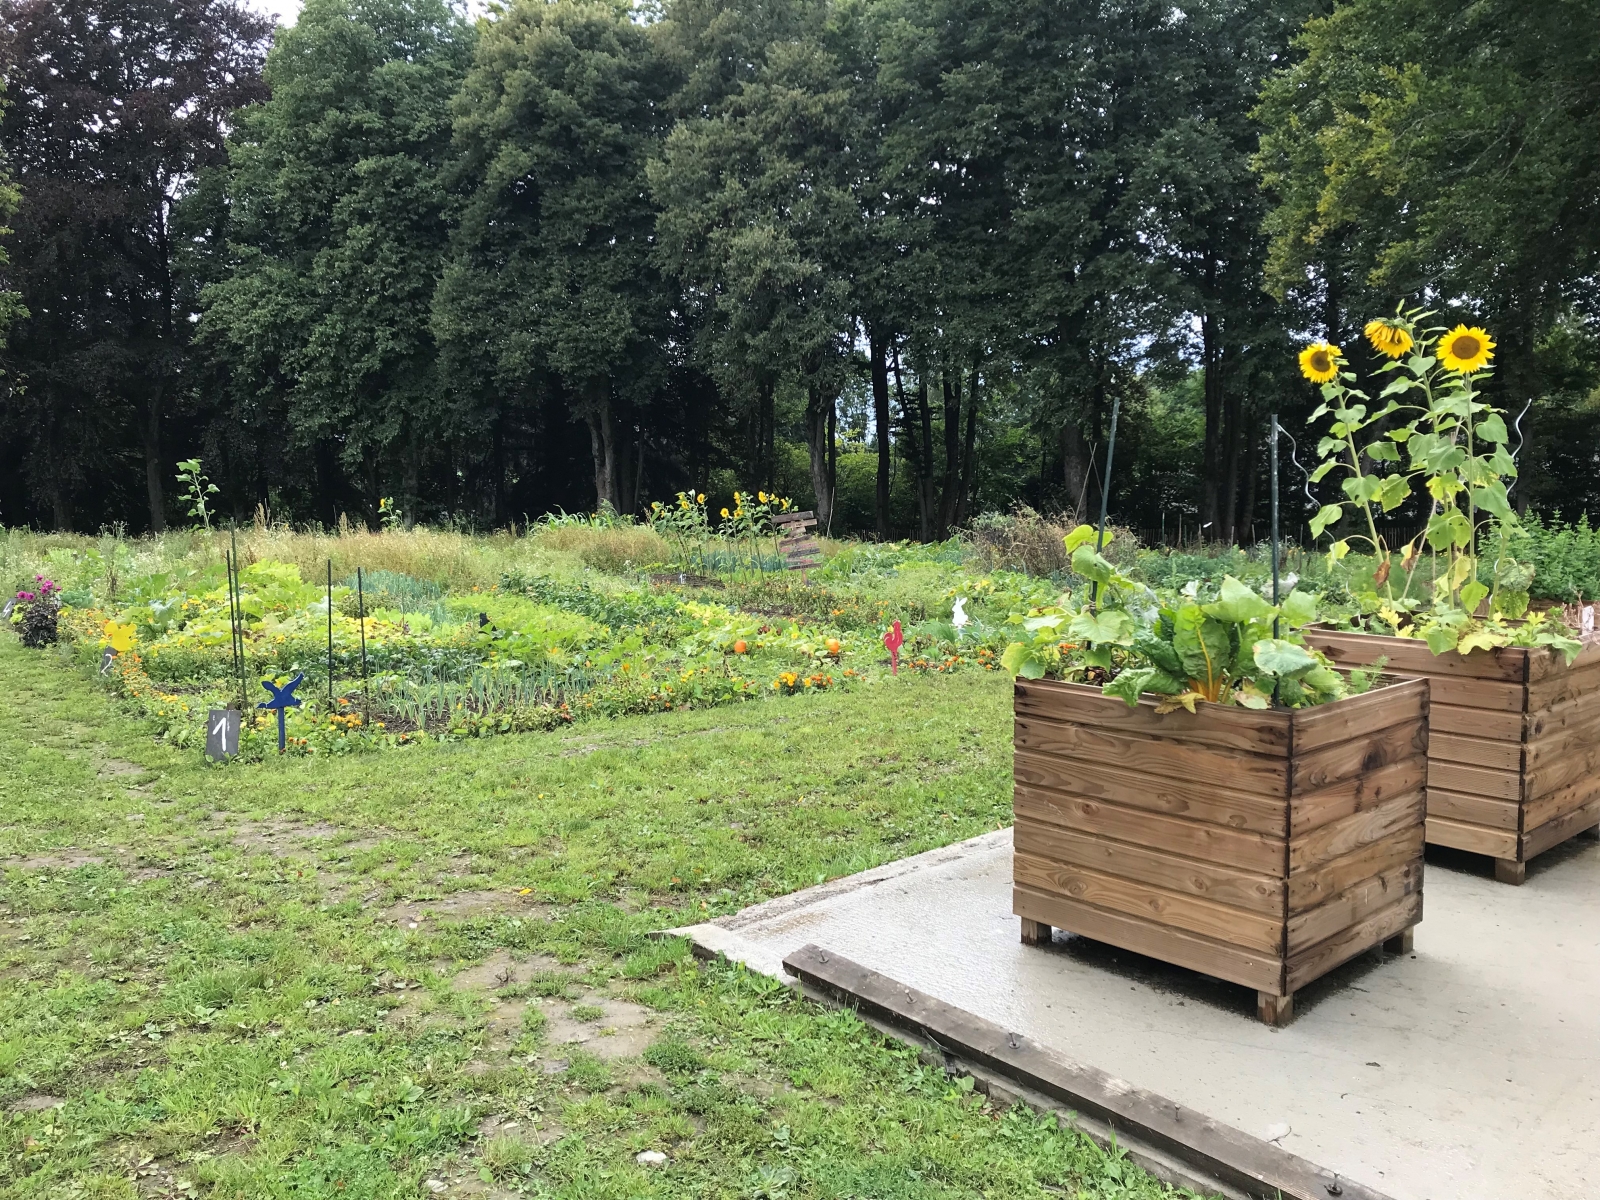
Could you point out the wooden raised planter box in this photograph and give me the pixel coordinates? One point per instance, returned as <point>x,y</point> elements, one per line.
<point>1261,847</point>
<point>1514,747</point>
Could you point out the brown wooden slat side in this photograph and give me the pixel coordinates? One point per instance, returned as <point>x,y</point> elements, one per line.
<point>1553,833</point>
<point>1236,965</point>
<point>1570,737</point>
<point>1216,725</point>
<point>1474,810</point>
<point>1475,752</point>
<point>1328,724</point>
<point>1479,693</point>
<point>1563,686</point>
<point>1318,960</point>
<point>1555,774</point>
<point>1308,889</point>
<point>1241,889</point>
<point>1344,760</point>
<point>1548,662</point>
<point>1411,656</point>
<point>1160,906</point>
<point>1238,848</point>
<point>1353,905</point>
<point>1475,781</point>
<point>1573,712</point>
<point>1558,804</point>
<point>1198,799</point>
<point>1474,722</point>
<point>1477,839</point>
<point>1338,838</point>
<point>1357,794</point>
<point>1243,772</point>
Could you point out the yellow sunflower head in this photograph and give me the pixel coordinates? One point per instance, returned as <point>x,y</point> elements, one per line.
<point>702,498</point>
<point>1319,362</point>
<point>1388,340</point>
<point>1464,350</point>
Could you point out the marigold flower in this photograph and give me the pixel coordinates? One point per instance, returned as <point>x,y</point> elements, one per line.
<point>1319,362</point>
<point>1389,340</point>
<point>1465,351</point>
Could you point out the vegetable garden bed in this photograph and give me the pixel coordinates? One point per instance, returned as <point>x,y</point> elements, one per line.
<point>1264,847</point>
<point>1514,751</point>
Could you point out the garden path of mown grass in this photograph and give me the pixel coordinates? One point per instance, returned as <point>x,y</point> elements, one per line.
<point>426,972</point>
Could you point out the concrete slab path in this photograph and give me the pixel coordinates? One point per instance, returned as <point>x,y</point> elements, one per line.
<point>1469,1070</point>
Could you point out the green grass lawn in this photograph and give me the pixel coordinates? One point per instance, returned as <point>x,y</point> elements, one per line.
<point>425,972</point>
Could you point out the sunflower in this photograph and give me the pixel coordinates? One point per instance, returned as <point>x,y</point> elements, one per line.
<point>1464,350</point>
<point>1389,340</point>
<point>1319,362</point>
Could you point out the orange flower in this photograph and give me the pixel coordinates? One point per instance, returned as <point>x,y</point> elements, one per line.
<point>833,647</point>
<point>740,647</point>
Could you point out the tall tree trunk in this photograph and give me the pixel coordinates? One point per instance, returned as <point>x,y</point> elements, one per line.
<point>1211,464</point>
<point>880,418</point>
<point>821,414</point>
<point>1228,503</point>
<point>603,446</point>
<point>926,507</point>
<point>969,457</point>
<point>152,460</point>
<point>919,445</point>
<point>1074,467</point>
<point>950,492</point>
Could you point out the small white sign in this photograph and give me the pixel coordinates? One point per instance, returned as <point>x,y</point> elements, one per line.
<point>1587,620</point>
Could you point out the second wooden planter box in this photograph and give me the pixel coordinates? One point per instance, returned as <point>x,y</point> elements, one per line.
<point>1261,847</point>
<point>1514,752</point>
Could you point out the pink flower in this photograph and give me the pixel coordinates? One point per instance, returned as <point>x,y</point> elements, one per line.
<point>24,595</point>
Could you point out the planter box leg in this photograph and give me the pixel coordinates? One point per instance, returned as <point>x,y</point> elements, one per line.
<point>1509,870</point>
<point>1593,832</point>
<point>1035,933</point>
<point>1403,942</point>
<point>1275,1010</point>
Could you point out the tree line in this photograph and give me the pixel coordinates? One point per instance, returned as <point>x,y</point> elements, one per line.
<point>901,258</point>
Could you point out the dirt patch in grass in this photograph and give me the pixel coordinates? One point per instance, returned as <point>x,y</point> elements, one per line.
<point>461,906</point>
<point>622,1030</point>
<point>37,1102</point>
<point>60,860</point>
<point>111,767</point>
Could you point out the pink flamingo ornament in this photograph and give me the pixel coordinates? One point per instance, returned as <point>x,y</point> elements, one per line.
<point>892,641</point>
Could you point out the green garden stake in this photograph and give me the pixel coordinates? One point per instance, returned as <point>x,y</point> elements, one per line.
<point>1105,495</point>
<point>330,635</point>
<point>361,609</point>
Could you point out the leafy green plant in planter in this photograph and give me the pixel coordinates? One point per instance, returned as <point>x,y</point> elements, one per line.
<point>1427,423</point>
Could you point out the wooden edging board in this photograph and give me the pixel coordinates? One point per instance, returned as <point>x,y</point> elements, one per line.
<point>1243,1164</point>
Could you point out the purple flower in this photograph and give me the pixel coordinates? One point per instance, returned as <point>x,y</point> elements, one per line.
<point>24,595</point>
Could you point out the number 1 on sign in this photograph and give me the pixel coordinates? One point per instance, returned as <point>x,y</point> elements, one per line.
<point>220,731</point>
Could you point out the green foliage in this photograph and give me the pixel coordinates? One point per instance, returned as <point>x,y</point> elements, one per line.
<point>196,490</point>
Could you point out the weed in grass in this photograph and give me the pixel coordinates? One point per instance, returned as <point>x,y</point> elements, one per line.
<point>586,1012</point>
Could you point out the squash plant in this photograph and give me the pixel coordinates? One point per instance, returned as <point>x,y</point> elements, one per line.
<point>1429,422</point>
<point>1069,640</point>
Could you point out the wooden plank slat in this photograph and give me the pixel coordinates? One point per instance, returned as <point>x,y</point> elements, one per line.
<point>1308,889</point>
<point>1237,848</point>
<point>1475,752</point>
<point>1574,736</point>
<point>1216,725</point>
<point>1553,833</point>
<point>1411,656</point>
<point>1576,765</point>
<point>1478,781</point>
<point>1160,906</point>
<point>1327,724</point>
<point>1198,799</point>
<point>1242,889</point>
<point>1357,794</point>
<point>1473,722</point>
<point>1318,960</point>
<point>1574,712</point>
<point>1474,810</point>
<point>1562,686</point>
<point>1233,963</point>
<point>1353,905</point>
<point>1243,772</point>
<point>1329,765</point>
<point>1546,663</point>
<point>1479,693</point>
<point>1557,804</point>
<point>1478,839</point>
<point>1338,838</point>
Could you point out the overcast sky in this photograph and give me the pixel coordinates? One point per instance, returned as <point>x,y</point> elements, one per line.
<point>284,10</point>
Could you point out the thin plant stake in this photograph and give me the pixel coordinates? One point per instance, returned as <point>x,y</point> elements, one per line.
<point>330,635</point>
<point>1275,545</point>
<point>361,608</point>
<point>233,624</point>
<point>1105,495</point>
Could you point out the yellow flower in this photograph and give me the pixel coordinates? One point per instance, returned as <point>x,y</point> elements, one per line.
<point>1388,340</point>
<point>1319,362</point>
<point>724,512</point>
<point>1464,350</point>
<point>762,496</point>
<point>702,498</point>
